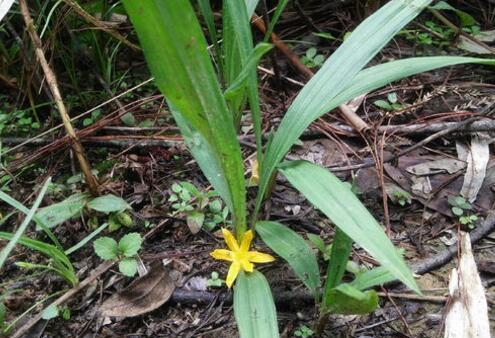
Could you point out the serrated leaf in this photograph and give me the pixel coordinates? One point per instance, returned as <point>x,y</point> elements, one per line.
<point>130,244</point>
<point>108,203</point>
<point>254,309</point>
<point>106,248</point>
<point>128,267</point>
<point>336,200</point>
<point>50,312</point>
<point>347,300</point>
<point>294,249</point>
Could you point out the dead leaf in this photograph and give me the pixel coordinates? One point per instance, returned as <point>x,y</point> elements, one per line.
<point>477,161</point>
<point>449,165</point>
<point>467,311</point>
<point>143,295</point>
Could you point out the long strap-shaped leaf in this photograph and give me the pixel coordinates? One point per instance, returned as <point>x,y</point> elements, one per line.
<point>254,308</point>
<point>176,52</point>
<point>336,74</point>
<point>326,192</point>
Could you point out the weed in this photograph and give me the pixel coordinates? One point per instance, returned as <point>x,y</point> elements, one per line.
<point>214,280</point>
<point>402,197</point>
<point>459,207</point>
<point>390,104</point>
<point>311,59</point>
<point>303,332</point>
<point>124,251</point>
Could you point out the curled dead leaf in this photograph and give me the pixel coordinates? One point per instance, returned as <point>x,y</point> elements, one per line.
<point>143,295</point>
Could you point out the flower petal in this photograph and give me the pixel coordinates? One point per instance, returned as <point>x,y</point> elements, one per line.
<point>222,254</point>
<point>259,257</point>
<point>247,265</point>
<point>232,274</point>
<point>246,240</point>
<point>230,240</point>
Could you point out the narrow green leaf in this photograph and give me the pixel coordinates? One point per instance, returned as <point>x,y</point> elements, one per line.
<point>341,249</point>
<point>22,228</point>
<point>60,212</point>
<point>86,239</point>
<point>273,21</point>
<point>250,65</point>
<point>128,267</point>
<point>346,300</point>
<point>295,250</point>
<point>108,203</point>
<point>371,278</point>
<point>254,309</point>
<point>335,75</point>
<point>336,200</point>
<point>177,56</point>
<point>106,248</point>
<point>130,244</point>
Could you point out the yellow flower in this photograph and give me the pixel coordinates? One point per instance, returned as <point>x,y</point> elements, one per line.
<point>239,255</point>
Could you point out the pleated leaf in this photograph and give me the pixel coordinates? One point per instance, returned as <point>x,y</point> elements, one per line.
<point>176,52</point>
<point>336,200</point>
<point>295,250</point>
<point>254,309</point>
<point>335,75</point>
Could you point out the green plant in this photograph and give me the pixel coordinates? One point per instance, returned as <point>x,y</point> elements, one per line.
<point>207,106</point>
<point>214,280</point>
<point>402,197</point>
<point>124,251</point>
<point>459,207</point>
<point>95,115</point>
<point>311,59</point>
<point>202,208</point>
<point>303,331</point>
<point>390,104</point>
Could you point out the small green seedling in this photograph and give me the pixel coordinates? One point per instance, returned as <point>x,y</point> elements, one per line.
<point>215,280</point>
<point>202,209</point>
<point>53,311</point>
<point>318,243</point>
<point>311,59</point>
<point>402,197</point>
<point>390,104</point>
<point>459,207</point>
<point>118,219</point>
<point>125,251</point>
<point>303,331</point>
<point>95,115</point>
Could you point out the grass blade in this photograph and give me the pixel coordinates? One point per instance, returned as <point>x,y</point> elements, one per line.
<point>295,250</point>
<point>29,216</point>
<point>335,199</point>
<point>254,308</point>
<point>177,56</point>
<point>341,249</point>
<point>336,74</point>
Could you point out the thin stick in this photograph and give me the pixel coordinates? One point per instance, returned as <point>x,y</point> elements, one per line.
<point>52,83</point>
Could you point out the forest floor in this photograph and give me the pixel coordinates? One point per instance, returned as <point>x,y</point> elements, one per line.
<point>141,161</point>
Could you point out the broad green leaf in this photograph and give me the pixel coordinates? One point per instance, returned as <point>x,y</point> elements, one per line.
<point>106,248</point>
<point>373,277</point>
<point>335,75</point>
<point>60,212</point>
<point>178,58</point>
<point>205,156</point>
<point>130,244</point>
<point>39,223</point>
<point>108,203</point>
<point>341,249</point>
<point>4,254</point>
<point>294,249</point>
<point>50,312</point>
<point>466,19</point>
<point>346,300</point>
<point>250,7</point>
<point>128,266</point>
<point>254,309</point>
<point>336,200</point>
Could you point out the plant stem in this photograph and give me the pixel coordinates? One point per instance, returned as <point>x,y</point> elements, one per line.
<point>52,83</point>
